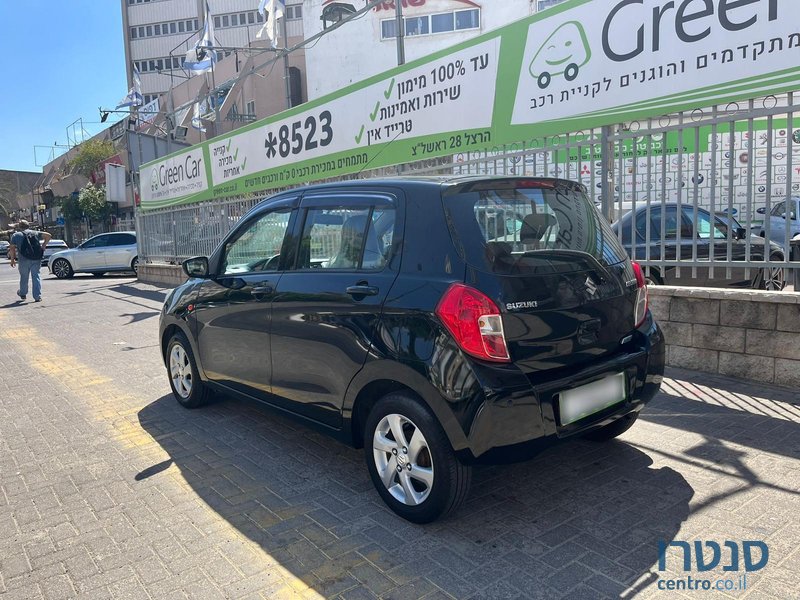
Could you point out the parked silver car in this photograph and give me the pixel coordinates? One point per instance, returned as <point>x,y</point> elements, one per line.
<point>53,246</point>
<point>775,222</point>
<point>97,255</point>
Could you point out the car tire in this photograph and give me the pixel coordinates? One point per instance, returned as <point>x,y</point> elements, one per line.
<point>772,279</point>
<point>654,278</point>
<point>184,379</point>
<point>615,429</point>
<point>135,265</point>
<point>424,449</point>
<point>62,269</point>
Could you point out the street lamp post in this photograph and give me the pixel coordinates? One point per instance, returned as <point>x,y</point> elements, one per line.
<point>400,27</point>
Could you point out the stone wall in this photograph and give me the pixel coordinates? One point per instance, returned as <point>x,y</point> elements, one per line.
<point>749,334</point>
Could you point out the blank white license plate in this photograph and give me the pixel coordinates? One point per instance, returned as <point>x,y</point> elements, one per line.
<point>580,402</point>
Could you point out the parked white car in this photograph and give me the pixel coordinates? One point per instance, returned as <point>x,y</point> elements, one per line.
<point>53,246</point>
<point>97,255</point>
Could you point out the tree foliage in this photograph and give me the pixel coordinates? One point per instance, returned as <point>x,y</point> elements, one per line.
<point>92,202</point>
<point>90,155</point>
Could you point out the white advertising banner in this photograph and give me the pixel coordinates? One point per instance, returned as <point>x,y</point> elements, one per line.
<point>179,175</point>
<point>607,57</point>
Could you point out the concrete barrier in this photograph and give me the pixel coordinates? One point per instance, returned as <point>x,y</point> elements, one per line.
<point>741,333</point>
<point>160,274</point>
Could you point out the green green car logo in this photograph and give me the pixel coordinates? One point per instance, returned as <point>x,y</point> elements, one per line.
<point>563,53</point>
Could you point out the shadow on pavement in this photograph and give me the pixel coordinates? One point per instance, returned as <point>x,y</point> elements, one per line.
<point>582,517</point>
<point>131,290</point>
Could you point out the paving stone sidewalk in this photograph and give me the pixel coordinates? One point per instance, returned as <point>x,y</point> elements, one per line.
<point>108,489</point>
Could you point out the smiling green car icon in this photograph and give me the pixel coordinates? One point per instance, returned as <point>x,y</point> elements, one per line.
<point>563,53</point>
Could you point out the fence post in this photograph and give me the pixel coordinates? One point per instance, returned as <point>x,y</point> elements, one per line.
<point>607,170</point>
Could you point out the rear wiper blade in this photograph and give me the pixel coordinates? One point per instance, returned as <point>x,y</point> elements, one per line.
<point>571,254</point>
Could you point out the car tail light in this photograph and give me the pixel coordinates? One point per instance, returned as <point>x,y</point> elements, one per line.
<point>640,310</point>
<point>474,321</point>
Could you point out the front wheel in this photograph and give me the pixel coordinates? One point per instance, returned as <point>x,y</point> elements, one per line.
<point>571,72</point>
<point>135,265</point>
<point>184,380</point>
<point>62,269</point>
<point>411,462</point>
<point>617,428</point>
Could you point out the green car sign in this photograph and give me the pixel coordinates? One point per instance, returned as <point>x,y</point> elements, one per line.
<point>563,53</point>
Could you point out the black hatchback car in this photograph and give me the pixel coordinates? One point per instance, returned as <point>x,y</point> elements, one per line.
<point>433,321</point>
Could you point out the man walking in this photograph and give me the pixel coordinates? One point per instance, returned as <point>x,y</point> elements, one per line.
<point>26,250</point>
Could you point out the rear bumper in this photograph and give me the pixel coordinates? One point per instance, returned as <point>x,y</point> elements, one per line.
<point>516,422</point>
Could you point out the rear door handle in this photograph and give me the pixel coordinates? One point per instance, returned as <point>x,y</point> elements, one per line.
<point>362,290</point>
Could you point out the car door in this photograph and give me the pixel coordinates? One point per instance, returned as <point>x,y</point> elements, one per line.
<point>327,308</point>
<point>232,312</point>
<point>91,255</point>
<point>121,250</point>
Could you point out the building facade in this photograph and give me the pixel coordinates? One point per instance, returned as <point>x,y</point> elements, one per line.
<point>367,46</point>
<point>158,33</point>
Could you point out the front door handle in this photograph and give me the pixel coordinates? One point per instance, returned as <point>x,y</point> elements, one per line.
<point>261,290</point>
<point>362,290</point>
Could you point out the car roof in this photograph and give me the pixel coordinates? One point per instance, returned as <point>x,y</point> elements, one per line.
<point>431,181</point>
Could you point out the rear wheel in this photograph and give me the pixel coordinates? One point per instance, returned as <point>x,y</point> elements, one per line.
<point>654,277</point>
<point>135,265</point>
<point>411,462</point>
<point>617,428</point>
<point>62,269</point>
<point>184,380</point>
<point>771,278</point>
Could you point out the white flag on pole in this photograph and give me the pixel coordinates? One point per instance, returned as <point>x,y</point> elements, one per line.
<point>198,110</point>
<point>271,10</point>
<point>134,97</point>
<point>203,57</point>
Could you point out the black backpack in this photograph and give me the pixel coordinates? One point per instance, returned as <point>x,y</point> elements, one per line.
<point>30,247</point>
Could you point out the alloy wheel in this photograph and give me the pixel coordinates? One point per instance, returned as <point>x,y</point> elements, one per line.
<point>180,371</point>
<point>61,269</point>
<point>774,279</point>
<point>403,459</point>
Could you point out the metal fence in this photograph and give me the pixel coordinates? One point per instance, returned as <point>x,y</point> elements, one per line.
<point>708,194</point>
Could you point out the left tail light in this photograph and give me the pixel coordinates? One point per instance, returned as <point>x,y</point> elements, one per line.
<point>640,310</point>
<point>475,323</point>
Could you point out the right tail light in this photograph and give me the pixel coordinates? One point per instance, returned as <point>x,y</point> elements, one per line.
<point>640,310</point>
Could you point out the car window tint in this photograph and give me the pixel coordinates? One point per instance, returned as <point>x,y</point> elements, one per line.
<point>257,246</point>
<point>655,226</point>
<point>778,209</point>
<point>703,225</point>
<point>96,242</point>
<point>338,238</point>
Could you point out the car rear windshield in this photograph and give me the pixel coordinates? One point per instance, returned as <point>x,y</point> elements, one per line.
<point>526,227</point>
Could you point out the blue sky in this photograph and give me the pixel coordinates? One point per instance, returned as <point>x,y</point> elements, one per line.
<point>61,59</point>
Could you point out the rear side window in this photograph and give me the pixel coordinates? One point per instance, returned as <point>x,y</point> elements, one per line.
<point>349,238</point>
<point>519,227</point>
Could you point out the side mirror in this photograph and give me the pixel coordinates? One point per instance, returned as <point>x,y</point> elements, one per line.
<point>196,267</point>
<point>762,210</point>
<point>741,233</point>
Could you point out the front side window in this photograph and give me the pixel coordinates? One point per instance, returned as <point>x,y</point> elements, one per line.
<point>96,242</point>
<point>703,225</point>
<point>779,209</point>
<point>347,238</point>
<point>257,247</point>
